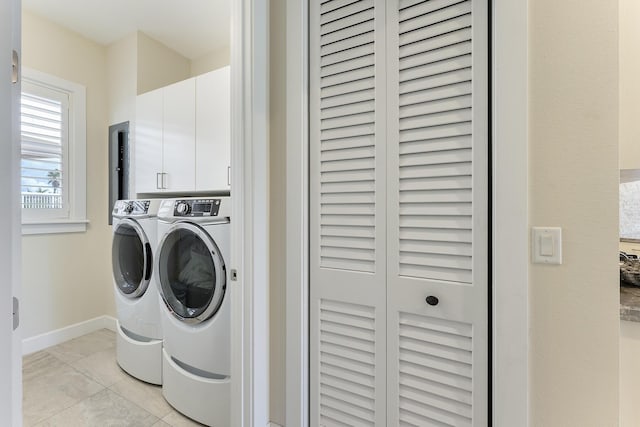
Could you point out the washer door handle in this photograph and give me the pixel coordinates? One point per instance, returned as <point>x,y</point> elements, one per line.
<point>148,262</point>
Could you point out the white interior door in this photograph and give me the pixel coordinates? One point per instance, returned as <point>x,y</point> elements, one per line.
<point>437,212</point>
<point>347,224</point>
<point>398,212</point>
<point>10,234</point>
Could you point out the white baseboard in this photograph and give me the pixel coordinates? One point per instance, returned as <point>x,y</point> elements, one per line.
<point>48,339</point>
<point>273,425</point>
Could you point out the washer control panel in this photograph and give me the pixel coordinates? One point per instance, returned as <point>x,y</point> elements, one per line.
<point>131,207</point>
<point>196,207</point>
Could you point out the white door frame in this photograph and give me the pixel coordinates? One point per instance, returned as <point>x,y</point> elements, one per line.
<point>510,370</point>
<point>250,208</point>
<point>10,228</point>
<point>250,320</point>
<point>510,234</point>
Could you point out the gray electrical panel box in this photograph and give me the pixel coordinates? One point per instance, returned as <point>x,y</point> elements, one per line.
<point>118,165</point>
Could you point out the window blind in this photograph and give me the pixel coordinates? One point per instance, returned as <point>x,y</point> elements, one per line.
<point>43,117</point>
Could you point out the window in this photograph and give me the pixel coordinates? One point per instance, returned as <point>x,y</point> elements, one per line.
<point>53,142</point>
<point>630,204</point>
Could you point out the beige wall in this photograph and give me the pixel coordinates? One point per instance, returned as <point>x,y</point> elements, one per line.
<point>629,48</point>
<point>574,316</point>
<point>629,38</point>
<point>211,61</point>
<point>67,277</point>
<point>629,374</point>
<point>278,188</point>
<point>122,79</point>
<point>158,65</point>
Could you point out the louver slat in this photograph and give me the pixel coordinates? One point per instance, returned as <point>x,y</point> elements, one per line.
<point>347,373</point>
<point>435,377</point>
<point>351,9</point>
<point>347,129</point>
<point>435,145</point>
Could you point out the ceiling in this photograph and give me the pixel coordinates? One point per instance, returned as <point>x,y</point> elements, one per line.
<point>191,27</point>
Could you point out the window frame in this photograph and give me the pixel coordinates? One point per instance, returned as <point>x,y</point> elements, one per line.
<point>34,222</point>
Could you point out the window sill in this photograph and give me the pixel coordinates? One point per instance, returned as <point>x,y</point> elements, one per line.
<point>54,226</point>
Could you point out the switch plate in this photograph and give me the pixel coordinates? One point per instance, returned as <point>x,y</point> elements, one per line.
<point>547,245</point>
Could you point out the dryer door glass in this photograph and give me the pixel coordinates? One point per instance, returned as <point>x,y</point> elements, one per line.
<point>131,258</point>
<point>191,273</point>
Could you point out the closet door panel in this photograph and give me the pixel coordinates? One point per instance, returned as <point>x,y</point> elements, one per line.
<point>347,223</point>
<point>437,212</point>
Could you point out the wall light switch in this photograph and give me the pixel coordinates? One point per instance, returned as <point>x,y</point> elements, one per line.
<point>547,245</point>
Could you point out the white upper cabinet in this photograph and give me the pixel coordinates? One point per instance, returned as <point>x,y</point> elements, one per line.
<point>179,143</point>
<point>183,136</point>
<point>213,130</point>
<point>148,142</point>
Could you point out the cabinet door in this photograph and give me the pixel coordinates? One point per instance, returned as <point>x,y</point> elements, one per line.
<point>148,142</point>
<point>179,140</point>
<point>213,130</point>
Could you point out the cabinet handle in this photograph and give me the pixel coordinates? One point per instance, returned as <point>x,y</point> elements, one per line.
<point>229,175</point>
<point>158,186</point>
<point>164,187</point>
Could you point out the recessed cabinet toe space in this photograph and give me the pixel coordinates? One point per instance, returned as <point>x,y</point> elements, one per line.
<point>182,141</point>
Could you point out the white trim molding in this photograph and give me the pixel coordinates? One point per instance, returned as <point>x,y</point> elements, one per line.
<point>510,214</point>
<point>250,213</point>
<point>297,214</point>
<point>54,226</point>
<point>58,336</point>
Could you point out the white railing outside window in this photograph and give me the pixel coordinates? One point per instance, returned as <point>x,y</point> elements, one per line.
<point>41,201</point>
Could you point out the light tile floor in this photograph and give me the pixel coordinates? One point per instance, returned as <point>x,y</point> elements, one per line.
<point>79,384</point>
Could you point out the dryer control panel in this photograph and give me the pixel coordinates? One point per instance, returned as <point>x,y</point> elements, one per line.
<point>196,207</point>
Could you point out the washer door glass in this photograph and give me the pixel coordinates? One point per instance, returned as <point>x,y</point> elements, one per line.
<point>131,258</point>
<point>191,273</point>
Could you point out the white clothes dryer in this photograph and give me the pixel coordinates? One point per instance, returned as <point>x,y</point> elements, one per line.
<point>139,329</point>
<point>191,270</point>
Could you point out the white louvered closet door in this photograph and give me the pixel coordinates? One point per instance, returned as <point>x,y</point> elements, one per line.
<point>398,212</point>
<point>347,223</point>
<point>437,214</point>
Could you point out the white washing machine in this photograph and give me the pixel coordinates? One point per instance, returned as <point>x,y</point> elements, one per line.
<point>191,270</point>
<point>139,329</point>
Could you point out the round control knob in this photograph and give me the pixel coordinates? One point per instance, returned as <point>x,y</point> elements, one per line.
<point>128,208</point>
<point>431,300</point>
<point>182,208</point>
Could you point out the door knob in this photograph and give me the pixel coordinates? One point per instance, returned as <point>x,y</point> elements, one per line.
<point>431,300</point>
